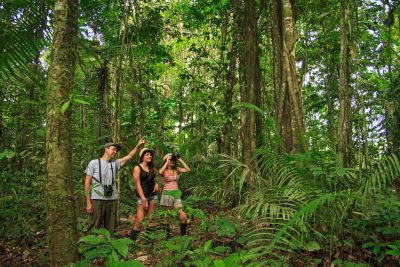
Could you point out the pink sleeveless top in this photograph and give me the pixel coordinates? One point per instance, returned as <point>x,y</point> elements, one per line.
<point>170,180</point>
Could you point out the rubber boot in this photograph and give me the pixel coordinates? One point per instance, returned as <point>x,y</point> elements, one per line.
<point>133,234</point>
<point>183,229</point>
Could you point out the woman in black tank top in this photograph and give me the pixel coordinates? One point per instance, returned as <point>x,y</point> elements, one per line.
<point>147,182</point>
<point>144,177</point>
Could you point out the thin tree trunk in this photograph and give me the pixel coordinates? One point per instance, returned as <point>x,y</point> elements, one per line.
<point>258,101</point>
<point>180,105</point>
<point>104,114</point>
<point>134,98</point>
<point>330,110</point>
<point>116,101</point>
<point>61,220</point>
<point>330,88</point>
<point>345,94</point>
<point>230,79</point>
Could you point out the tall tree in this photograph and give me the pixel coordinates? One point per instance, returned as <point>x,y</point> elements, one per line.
<point>251,79</point>
<point>393,116</point>
<point>345,91</point>
<point>230,79</point>
<point>104,114</point>
<point>289,108</point>
<point>61,221</point>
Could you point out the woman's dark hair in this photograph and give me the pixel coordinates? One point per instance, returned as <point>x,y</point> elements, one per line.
<point>151,164</point>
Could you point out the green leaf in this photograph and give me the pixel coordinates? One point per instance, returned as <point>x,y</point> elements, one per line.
<point>220,249</point>
<point>80,101</point>
<point>41,132</point>
<point>83,263</point>
<point>93,240</point>
<point>368,245</point>
<point>232,260</point>
<point>312,246</point>
<point>65,106</point>
<point>249,106</point>
<point>7,154</point>
<point>207,245</point>
<point>131,263</point>
<point>103,232</point>
<point>376,250</point>
<point>113,257</point>
<point>121,245</point>
<point>97,252</point>
<point>83,248</point>
<point>219,263</point>
<point>393,252</point>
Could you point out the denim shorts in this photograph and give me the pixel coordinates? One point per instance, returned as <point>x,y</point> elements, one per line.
<point>154,198</point>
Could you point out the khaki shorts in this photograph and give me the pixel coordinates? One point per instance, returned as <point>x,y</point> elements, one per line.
<point>170,201</point>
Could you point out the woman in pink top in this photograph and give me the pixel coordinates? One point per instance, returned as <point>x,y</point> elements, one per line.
<point>171,196</point>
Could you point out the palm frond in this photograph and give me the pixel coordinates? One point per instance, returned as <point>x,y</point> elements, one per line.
<point>24,33</point>
<point>384,175</point>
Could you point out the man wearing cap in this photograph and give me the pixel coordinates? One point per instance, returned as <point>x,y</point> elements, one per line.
<point>100,187</point>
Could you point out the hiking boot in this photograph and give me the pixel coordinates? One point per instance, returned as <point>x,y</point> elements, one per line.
<point>133,234</point>
<point>183,229</point>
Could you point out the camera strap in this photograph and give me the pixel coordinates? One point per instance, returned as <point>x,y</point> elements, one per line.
<point>112,173</point>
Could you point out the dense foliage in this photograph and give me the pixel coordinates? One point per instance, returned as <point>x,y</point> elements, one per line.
<point>180,74</point>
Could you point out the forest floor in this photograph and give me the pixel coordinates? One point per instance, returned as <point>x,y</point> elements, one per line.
<point>33,252</point>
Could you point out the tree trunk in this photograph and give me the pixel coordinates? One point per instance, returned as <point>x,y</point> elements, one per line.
<point>345,94</point>
<point>251,84</point>
<point>115,123</point>
<point>258,101</point>
<point>288,107</point>
<point>61,220</point>
<point>230,79</point>
<point>330,89</point>
<point>330,111</point>
<point>104,114</point>
<point>393,116</point>
<point>300,142</point>
<point>277,44</point>
<point>134,98</point>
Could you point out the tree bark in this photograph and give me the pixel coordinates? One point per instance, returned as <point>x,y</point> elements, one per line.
<point>230,79</point>
<point>393,116</point>
<point>104,114</point>
<point>61,220</point>
<point>248,93</point>
<point>300,142</point>
<point>277,40</point>
<point>330,88</point>
<point>345,93</point>
<point>289,113</point>
<point>115,123</point>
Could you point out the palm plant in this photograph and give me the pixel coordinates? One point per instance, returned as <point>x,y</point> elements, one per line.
<point>323,215</point>
<point>296,203</point>
<point>24,33</point>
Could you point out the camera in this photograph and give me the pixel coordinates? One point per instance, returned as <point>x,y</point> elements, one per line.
<point>175,156</point>
<point>108,190</point>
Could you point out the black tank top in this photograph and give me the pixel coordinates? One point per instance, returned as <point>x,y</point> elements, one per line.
<point>147,182</point>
